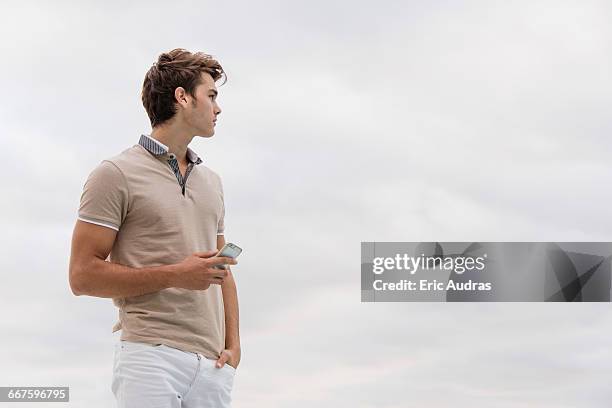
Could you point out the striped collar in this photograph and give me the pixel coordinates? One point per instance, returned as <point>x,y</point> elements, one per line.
<point>157,148</point>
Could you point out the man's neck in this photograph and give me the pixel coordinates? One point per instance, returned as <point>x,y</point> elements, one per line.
<point>175,138</point>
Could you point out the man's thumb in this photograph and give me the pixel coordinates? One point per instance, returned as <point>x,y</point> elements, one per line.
<point>205,254</point>
<point>222,360</point>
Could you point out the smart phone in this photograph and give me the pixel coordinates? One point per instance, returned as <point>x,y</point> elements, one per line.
<point>229,250</point>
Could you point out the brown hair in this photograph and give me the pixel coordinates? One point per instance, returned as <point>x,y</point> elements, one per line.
<point>175,68</point>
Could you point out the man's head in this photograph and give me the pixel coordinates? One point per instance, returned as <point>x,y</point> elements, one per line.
<point>180,86</point>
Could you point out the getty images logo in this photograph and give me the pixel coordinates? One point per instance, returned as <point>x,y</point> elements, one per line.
<point>457,264</point>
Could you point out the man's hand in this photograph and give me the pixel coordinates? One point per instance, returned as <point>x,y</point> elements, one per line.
<point>197,271</point>
<point>229,356</point>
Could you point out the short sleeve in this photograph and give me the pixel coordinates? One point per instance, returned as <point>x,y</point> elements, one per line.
<point>221,223</point>
<point>104,200</point>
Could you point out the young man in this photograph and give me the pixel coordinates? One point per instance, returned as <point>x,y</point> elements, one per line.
<point>157,214</point>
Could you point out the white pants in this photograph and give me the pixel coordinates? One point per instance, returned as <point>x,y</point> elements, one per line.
<point>158,376</point>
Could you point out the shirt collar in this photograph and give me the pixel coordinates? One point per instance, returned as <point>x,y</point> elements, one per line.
<point>157,148</point>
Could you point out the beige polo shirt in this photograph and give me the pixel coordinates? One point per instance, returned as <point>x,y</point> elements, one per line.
<point>161,219</point>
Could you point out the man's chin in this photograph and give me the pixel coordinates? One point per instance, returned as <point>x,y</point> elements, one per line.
<point>206,135</point>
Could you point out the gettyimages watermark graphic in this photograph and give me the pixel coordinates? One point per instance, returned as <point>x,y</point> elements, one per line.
<point>485,271</point>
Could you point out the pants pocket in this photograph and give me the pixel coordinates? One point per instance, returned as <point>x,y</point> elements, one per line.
<point>115,378</point>
<point>229,368</point>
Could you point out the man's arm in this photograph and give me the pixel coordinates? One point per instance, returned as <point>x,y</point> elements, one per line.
<point>90,273</point>
<point>230,302</point>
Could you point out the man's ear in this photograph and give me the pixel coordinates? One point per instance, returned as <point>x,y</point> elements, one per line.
<point>180,96</point>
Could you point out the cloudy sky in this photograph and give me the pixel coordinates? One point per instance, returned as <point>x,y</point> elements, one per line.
<point>343,121</point>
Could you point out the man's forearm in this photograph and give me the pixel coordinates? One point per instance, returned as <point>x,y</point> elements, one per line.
<point>109,280</point>
<point>230,302</point>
